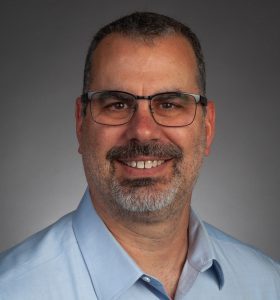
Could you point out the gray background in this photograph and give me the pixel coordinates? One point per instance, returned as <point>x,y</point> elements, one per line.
<point>43,46</point>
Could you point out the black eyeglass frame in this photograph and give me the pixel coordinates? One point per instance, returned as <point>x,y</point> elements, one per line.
<point>86,98</point>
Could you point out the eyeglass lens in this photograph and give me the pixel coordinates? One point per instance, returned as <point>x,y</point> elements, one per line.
<point>117,108</point>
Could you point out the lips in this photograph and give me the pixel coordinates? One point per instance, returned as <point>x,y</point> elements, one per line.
<point>144,158</point>
<point>143,164</point>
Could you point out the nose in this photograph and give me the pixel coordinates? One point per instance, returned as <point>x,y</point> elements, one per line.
<point>142,126</point>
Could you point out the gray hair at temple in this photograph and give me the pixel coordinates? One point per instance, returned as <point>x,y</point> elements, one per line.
<point>148,26</point>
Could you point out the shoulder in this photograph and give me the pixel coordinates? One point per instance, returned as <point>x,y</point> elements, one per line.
<point>36,251</point>
<point>47,265</point>
<point>242,258</point>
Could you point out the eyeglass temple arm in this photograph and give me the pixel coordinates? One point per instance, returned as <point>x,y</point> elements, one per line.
<point>200,99</point>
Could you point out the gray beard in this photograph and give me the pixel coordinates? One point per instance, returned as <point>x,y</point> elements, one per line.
<point>140,196</point>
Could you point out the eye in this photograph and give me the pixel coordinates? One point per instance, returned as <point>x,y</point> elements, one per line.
<point>116,106</point>
<point>114,102</point>
<point>168,105</point>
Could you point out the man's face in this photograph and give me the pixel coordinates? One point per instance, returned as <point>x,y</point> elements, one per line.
<point>156,177</point>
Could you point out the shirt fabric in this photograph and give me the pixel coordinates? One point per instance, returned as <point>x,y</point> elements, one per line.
<point>78,258</point>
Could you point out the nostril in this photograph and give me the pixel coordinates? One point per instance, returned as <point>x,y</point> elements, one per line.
<point>142,126</point>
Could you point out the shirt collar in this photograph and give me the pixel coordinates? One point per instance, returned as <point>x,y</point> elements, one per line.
<point>111,269</point>
<point>201,253</point>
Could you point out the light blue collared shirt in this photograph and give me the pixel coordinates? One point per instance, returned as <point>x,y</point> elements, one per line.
<point>78,258</point>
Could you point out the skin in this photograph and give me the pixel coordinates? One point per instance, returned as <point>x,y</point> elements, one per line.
<point>157,241</point>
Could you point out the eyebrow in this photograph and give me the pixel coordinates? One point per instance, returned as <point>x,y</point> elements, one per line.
<point>159,91</point>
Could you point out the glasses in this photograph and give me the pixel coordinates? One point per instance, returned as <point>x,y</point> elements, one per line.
<point>171,109</point>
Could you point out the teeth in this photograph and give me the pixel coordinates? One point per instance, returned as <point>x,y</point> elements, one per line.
<point>140,165</point>
<point>147,164</point>
<point>133,164</point>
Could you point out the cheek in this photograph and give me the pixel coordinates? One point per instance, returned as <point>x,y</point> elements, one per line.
<point>94,156</point>
<point>190,139</point>
<point>183,137</point>
<point>99,139</point>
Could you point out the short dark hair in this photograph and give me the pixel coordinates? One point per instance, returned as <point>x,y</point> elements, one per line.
<point>146,25</point>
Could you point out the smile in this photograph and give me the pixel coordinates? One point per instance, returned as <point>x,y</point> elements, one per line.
<point>144,164</point>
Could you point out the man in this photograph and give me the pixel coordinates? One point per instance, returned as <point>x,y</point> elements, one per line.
<point>143,125</point>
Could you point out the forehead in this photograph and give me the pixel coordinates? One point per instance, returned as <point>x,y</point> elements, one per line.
<point>121,62</point>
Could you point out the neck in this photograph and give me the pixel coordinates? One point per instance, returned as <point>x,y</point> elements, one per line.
<point>159,248</point>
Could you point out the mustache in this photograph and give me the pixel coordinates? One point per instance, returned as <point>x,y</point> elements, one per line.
<point>151,148</point>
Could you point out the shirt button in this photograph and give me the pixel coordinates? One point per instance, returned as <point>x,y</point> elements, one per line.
<point>146,278</point>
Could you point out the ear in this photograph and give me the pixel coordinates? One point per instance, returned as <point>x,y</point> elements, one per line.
<point>209,126</point>
<point>79,121</point>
